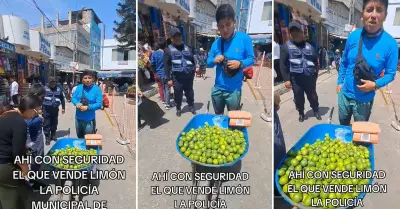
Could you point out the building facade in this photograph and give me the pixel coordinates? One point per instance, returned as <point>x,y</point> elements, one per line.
<point>79,34</point>
<point>117,62</point>
<point>32,49</point>
<point>392,23</point>
<point>260,19</point>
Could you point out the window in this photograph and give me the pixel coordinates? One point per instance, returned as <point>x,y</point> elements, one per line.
<point>267,11</point>
<point>122,55</point>
<point>397,17</point>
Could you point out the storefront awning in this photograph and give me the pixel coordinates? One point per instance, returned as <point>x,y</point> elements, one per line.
<point>116,74</point>
<point>261,38</point>
<point>6,47</point>
<point>208,35</point>
<point>337,36</point>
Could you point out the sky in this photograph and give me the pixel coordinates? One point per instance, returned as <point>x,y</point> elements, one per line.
<point>105,10</point>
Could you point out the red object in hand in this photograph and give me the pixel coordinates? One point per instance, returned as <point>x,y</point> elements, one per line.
<point>248,72</point>
<point>106,102</point>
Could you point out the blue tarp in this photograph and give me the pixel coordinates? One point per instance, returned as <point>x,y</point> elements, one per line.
<point>261,38</point>
<point>116,74</point>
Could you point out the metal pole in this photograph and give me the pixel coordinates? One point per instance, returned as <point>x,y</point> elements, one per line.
<point>102,47</point>
<point>351,10</point>
<point>259,71</point>
<point>76,43</point>
<point>251,11</point>
<point>240,14</point>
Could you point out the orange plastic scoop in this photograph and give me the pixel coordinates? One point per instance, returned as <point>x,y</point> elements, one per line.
<point>239,115</point>
<point>366,132</point>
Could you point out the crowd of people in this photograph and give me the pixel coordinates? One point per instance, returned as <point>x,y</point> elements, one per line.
<point>174,65</point>
<point>31,122</point>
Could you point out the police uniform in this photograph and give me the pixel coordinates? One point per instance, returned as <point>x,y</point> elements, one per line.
<point>179,66</point>
<point>52,101</point>
<point>298,65</point>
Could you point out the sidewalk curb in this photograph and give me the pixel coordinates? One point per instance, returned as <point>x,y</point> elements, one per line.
<point>150,93</point>
<point>281,89</point>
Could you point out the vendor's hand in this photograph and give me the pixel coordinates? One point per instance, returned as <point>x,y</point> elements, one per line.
<point>170,83</point>
<point>338,89</point>
<point>84,108</point>
<point>288,84</point>
<point>233,64</point>
<point>219,59</point>
<point>63,111</point>
<point>367,86</point>
<point>140,94</point>
<point>79,105</point>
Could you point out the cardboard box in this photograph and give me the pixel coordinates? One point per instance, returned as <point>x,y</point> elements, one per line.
<point>94,140</point>
<point>366,132</point>
<point>239,115</point>
<point>240,122</point>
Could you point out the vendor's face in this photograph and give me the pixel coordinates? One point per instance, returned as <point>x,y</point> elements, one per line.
<point>373,16</point>
<point>226,27</point>
<point>297,35</point>
<point>177,39</point>
<point>87,80</point>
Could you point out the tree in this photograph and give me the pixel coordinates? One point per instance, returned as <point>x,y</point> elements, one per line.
<point>126,28</point>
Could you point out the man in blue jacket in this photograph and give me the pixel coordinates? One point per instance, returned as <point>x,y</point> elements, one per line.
<point>53,99</point>
<point>232,53</point>
<point>87,98</point>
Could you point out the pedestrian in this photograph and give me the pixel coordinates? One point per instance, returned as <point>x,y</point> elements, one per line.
<point>257,53</point>
<point>13,91</point>
<point>13,136</point>
<point>368,52</point>
<point>157,63</point>
<point>277,50</point>
<point>337,59</point>
<point>299,68</point>
<point>3,89</point>
<point>35,140</point>
<point>87,98</point>
<point>179,66</point>
<point>53,99</point>
<point>202,62</point>
<point>231,53</point>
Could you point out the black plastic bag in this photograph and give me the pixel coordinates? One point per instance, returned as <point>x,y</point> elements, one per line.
<point>150,111</point>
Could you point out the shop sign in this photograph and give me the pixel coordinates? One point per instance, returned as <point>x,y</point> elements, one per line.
<point>6,46</point>
<point>185,4</point>
<point>316,4</point>
<point>45,46</point>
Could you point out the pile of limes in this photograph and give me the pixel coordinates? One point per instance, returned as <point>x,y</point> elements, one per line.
<point>68,151</point>
<point>326,156</point>
<point>212,145</point>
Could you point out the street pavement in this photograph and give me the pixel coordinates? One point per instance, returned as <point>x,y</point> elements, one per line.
<point>386,152</point>
<point>120,194</point>
<point>157,153</point>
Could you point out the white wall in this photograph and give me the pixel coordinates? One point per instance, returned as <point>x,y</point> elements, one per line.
<point>108,64</point>
<point>388,24</point>
<point>17,30</point>
<point>255,14</point>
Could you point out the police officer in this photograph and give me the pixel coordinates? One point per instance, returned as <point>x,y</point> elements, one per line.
<point>179,66</point>
<point>299,70</point>
<point>52,100</point>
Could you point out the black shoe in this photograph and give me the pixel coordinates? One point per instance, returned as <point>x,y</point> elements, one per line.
<point>192,110</point>
<point>178,113</point>
<point>301,117</point>
<point>317,115</point>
